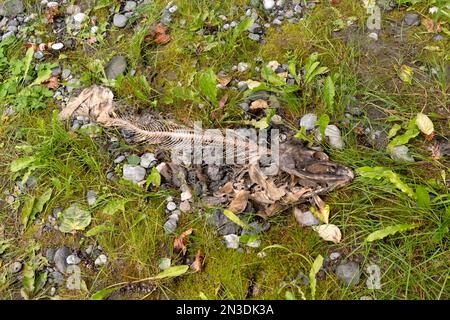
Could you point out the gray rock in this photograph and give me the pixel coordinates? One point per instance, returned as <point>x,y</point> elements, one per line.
<point>306,219</point>
<point>147,160</point>
<point>115,67</point>
<point>185,206</point>
<point>119,159</point>
<point>11,8</point>
<point>171,206</point>
<point>65,74</point>
<point>308,121</point>
<point>60,258</point>
<point>73,259</point>
<point>166,19</point>
<point>12,28</point>
<point>244,106</point>
<point>56,278</point>
<point>31,182</point>
<point>91,197</point>
<point>130,6</point>
<point>254,36</point>
<point>50,254</point>
<point>231,241</point>
<point>7,35</point>
<point>334,255</point>
<point>256,28</point>
<point>242,66</point>
<point>224,225</point>
<point>170,226</point>
<point>214,172</point>
<point>133,173</point>
<point>412,19</point>
<point>101,260</point>
<point>349,273</point>
<point>269,4</point>
<point>173,9</point>
<point>16,267</point>
<point>120,20</point>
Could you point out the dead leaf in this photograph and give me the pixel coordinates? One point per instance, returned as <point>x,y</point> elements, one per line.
<point>52,83</point>
<point>52,13</point>
<point>272,192</point>
<point>224,79</point>
<point>259,104</point>
<point>223,101</point>
<point>323,213</point>
<point>180,242</point>
<point>431,26</point>
<point>197,265</point>
<point>227,188</point>
<point>239,203</point>
<point>92,40</point>
<point>161,36</point>
<point>328,232</point>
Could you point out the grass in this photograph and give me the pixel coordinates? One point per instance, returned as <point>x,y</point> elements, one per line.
<point>413,265</point>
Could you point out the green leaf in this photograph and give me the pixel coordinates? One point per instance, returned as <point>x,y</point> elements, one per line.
<point>27,62</point>
<point>104,293</point>
<point>39,204</point>
<point>42,76</point>
<point>134,160</point>
<point>270,76</point>
<point>230,215</point>
<point>243,26</point>
<point>208,85</point>
<point>153,178</point>
<point>21,163</point>
<point>322,123</point>
<point>317,264</point>
<point>40,282</point>
<point>74,218</point>
<point>99,229</point>
<point>114,205</point>
<point>423,197</point>
<point>410,133</point>
<point>174,271</point>
<point>393,131</point>
<point>385,173</point>
<point>27,210</point>
<point>329,93</point>
<point>382,233</point>
<point>28,280</point>
<point>405,73</point>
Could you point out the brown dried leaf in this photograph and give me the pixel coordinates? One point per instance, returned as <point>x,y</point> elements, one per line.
<point>161,36</point>
<point>52,13</point>
<point>239,203</point>
<point>197,265</point>
<point>431,26</point>
<point>52,83</point>
<point>223,101</point>
<point>180,242</point>
<point>224,79</point>
<point>271,190</point>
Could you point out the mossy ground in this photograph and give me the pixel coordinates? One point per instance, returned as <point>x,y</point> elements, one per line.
<point>414,265</point>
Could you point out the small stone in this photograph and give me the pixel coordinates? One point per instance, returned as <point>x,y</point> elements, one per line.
<point>400,153</point>
<point>173,9</point>
<point>170,226</point>
<point>226,26</point>
<point>73,259</point>
<point>254,244</point>
<point>255,28</point>
<point>60,258</point>
<point>115,67</point>
<point>305,219</point>
<point>57,46</point>
<point>101,260</point>
<point>231,241</point>
<point>412,19</point>
<point>119,159</point>
<point>269,4</point>
<point>171,206</point>
<point>298,8</point>
<point>31,182</point>
<point>52,4</point>
<point>185,206</point>
<point>79,17</point>
<point>335,255</point>
<point>254,37</point>
<point>65,74</point>
<point>120,20</point>
<point>89,249</point>
<point>57,278</point>
<point>16,267</point>
<point>308,121</point>
<point>133,173</point>
<point>50,254</point>
<point>91,197</point>
<point>148,160</point>
<point>349,273</point>
<point>11,8</point>
<point>242,66</point>
<point>164,263</point>
<point>73,10</point>
<point>130,6</point>
<point>9,34</point>
<point>12,28</point>
<point>289,14</point>
<point>373,35</point>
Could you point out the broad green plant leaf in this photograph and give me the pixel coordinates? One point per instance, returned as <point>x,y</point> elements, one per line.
<point>383,233</point>
<point>270,76</point>
<point>104,293</point>
<point>114,205</point>
<point>172,272</point>
<point>329,93</point>
<point>243,26</point>
<point>385,173</point>
<point>153,178</point>
<point>208,85</point>
<point>99,229</point>
<point>315,268</point>
<point>22,163</point>
<point>423,197</point>
<point>74,218</point>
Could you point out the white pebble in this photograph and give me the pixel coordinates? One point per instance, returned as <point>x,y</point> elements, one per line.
<point>101,260</point>
<point>57,46</point>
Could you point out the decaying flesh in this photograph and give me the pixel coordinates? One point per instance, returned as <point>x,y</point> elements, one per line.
<point>303,174</point>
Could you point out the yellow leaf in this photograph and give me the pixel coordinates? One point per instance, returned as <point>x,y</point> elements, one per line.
<point>424,124</point>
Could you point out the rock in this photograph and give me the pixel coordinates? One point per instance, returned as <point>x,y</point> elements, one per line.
<point>254,244</point>
<point>115,67</point>
<point>31,182</point>
<point>244,106</point>
<point>242,66</point>
<point>9,34</point>
<point>173,9</point>
<point>133,173</point>
<point>56,278</point>
<point>256,28</point>
<point>308,121</point>
<point>269,4</point>
<point>170,226</point>
<point>305,219</point>
<point>224,225</point>
<point>334,255</point>
<point>232,241</point>
<point>119,159</point>
<point>373,35</point>
<point>73,259</point>
<point>91,197</point>
<point>349,273</point>
<point>185,206</point>
<point>171,206</point>
<point>11,8</point>
<point>79,17</point>
<point>412,19</point>
<point>50,254</point>
<point>101,260</point>
<point>148,160</point>
<point>16,267</point>
<point>164,263</point>
<point>130,6</point>
<point>120,20</point>
<point>214,172</point>
<point>52,4</point>
<point>89,249</point>
<point>57,46</point>
<point>334,136</point>
<point>400,153</point>
<point>60,258</point>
